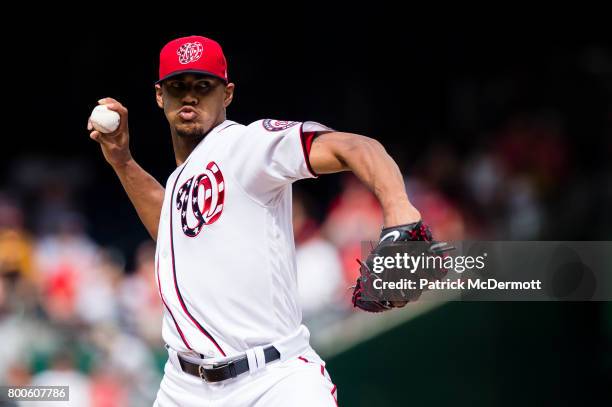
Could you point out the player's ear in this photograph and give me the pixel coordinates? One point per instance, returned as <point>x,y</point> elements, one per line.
<point>158,96</point>
<point>229,94</point>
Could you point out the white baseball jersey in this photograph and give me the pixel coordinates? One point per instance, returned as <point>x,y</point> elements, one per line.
<point>225,259</point>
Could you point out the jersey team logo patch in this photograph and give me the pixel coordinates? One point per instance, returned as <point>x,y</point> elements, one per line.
<point>205,195</point>
<point>189,52</point>
<point>277,125</point>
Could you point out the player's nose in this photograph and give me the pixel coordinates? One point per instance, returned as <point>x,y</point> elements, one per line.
<point>190,98</point>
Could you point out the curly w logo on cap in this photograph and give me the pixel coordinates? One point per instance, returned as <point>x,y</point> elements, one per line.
<point>189,52</point>
<point>194,54</point>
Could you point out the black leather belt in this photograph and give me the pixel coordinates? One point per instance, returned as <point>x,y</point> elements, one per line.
<point>227,370</point>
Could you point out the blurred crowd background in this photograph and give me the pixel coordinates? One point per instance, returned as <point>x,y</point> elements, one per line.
<point>500,138</point>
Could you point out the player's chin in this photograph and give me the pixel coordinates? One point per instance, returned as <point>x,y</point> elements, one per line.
<point>190,129</point>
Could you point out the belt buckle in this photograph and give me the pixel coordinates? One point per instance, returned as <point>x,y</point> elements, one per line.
<point>201,372</point>
<point>203,366</point>
<point>215,366</point>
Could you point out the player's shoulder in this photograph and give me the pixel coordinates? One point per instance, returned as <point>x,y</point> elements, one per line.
<point>230,131</point>
<point>230,127</point>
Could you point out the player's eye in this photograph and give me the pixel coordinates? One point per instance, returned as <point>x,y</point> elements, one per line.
<point>176,88</point>
<point>180,88</point>
<point>176,85</point>
<point>203,87</point>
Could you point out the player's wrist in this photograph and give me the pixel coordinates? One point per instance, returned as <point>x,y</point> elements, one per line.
<point>400,212</point>
<point>123,164</point>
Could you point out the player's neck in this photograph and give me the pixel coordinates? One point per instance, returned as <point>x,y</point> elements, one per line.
<point>183,146</point>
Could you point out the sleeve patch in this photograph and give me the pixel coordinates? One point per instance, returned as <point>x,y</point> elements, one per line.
<point>277,125</point>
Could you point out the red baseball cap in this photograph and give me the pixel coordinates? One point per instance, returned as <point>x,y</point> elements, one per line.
<point>193,54</point>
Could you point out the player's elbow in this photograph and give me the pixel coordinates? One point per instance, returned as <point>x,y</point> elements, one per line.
<point>363,148</point>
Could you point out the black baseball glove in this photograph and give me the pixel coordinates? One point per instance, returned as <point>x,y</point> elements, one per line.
<point>392,240</point>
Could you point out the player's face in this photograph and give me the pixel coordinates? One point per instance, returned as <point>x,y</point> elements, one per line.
<point>194,104</point>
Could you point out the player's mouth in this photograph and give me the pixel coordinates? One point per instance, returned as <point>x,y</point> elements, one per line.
<point>187,113</point>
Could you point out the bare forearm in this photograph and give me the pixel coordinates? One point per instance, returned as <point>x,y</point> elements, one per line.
<point>337,151</point>
<point>369,161</point>
<point>146,194</point>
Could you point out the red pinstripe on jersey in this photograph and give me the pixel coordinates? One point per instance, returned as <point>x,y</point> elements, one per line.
<point>168,308</point>
<point>178,292</point>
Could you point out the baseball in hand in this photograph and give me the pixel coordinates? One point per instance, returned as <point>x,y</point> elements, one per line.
<point>104,120</point>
